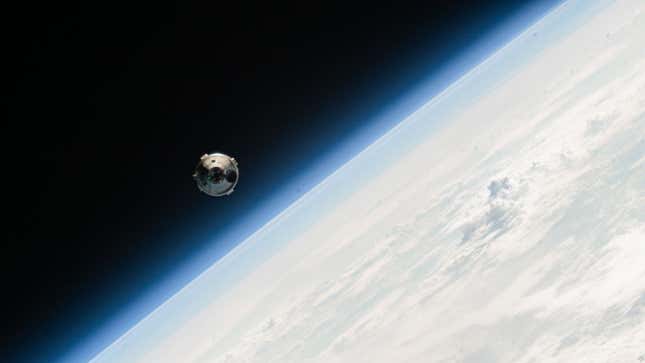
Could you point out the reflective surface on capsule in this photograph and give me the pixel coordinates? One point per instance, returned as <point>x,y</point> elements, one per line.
<point>216,174</point>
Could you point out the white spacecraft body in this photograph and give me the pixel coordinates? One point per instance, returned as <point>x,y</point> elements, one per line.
<point>216,174</point>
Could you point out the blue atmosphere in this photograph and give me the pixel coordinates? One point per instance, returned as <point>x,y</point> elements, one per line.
<point>337,155</point>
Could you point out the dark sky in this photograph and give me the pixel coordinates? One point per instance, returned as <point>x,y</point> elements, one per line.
<point>112,102</point>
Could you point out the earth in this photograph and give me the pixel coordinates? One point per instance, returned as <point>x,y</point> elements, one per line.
<point>503,221</point>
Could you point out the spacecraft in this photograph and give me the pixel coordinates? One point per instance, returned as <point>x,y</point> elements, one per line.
<point>216,174</point>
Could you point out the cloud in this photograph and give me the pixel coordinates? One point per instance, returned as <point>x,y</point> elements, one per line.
<point>499,187</point>
<point>501,209</point>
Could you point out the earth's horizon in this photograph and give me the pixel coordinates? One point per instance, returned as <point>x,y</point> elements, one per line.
<point>509,226</point>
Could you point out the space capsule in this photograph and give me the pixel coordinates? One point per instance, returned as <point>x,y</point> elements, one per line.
<point>216,174</point>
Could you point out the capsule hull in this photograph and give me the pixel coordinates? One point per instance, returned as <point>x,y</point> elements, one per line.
<point>216,174</point>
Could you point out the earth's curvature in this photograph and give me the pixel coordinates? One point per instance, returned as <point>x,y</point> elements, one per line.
<point>509,228</point>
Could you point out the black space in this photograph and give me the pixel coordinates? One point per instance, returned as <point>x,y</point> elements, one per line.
<point>112,102</point>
